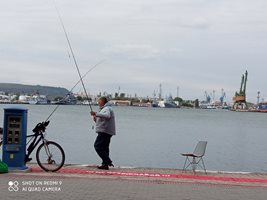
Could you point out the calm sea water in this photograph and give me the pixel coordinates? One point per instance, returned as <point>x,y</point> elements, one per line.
<point>155,137</point>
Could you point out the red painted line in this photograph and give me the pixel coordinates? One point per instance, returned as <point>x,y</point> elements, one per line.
<point>159,175</point>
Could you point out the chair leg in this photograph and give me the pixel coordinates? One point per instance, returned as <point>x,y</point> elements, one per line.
<point>203,165</point>
<point>185,163</point>
<point>194,164</point>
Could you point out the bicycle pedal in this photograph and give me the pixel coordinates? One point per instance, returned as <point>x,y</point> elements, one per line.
<point>28,159</point>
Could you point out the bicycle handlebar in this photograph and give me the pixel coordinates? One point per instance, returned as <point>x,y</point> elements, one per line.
<point>40,127</point>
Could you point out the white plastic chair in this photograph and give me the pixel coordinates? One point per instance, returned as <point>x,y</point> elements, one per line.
<point>196,157</point>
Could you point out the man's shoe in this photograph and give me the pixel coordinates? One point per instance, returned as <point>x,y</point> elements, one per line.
<point>105,167</point>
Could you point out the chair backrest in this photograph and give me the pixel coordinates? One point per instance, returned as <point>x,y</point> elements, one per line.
<point>200,148</point>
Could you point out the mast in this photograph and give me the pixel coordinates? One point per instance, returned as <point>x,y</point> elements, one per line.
<point>160,92</point>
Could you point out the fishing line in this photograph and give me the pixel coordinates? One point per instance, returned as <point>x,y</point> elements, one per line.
<point>72,53</point>
<point>87,73</point>
<point>70,91</point>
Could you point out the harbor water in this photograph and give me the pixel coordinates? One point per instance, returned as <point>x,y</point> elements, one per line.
<point>155,137</point>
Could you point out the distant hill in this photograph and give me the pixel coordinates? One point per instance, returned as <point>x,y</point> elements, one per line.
<point>51,92</point>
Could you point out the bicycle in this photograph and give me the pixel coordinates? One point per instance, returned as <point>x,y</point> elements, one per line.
<point>50,156</point>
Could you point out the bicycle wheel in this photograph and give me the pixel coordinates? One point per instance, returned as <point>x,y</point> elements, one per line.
<point>50,156</point>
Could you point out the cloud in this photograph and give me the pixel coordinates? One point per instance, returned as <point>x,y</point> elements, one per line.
<point>196,44</point>
<point>132,51</point>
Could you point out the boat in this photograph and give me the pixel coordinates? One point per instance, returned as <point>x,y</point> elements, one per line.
<point>24,99</point>
<point>168,103</point>
<point>38,99</point>
<point>262,107</point>
<point>207,106</point>
<point>154,103</point>
<point>70,99</point>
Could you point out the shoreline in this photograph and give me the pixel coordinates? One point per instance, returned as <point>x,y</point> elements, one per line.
<point>139,106</point>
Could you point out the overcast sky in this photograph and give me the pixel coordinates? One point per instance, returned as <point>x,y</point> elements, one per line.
<point>196,45</point>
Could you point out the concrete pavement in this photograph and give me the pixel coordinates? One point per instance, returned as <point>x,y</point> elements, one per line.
<point>87,182</point>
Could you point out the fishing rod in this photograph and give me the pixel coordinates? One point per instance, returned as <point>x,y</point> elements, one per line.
<point>87,73</point>
<point>70,91</point>
<point>72,53</point>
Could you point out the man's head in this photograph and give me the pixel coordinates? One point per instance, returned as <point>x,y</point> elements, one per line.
<point>102,101</point>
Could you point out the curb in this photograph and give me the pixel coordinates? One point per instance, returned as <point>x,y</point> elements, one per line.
<point>161,175</point>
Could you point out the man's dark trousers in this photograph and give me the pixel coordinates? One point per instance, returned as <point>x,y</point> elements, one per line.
<point>102,147</point>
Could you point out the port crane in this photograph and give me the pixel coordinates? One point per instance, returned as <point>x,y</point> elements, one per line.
<point>240,97</point>
<point>208,98</point>
<point>222,97</point>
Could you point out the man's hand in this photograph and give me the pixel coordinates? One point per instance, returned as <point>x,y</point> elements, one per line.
<point>94,115</point>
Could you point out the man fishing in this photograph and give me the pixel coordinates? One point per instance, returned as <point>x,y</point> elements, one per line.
<point>105,128</point>
<point>105,119</point>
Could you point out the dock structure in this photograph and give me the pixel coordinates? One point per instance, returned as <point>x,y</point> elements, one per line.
<point>121,102</point>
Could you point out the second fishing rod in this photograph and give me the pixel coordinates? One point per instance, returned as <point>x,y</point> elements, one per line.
<point>72,53</point>
<point>70,91</point>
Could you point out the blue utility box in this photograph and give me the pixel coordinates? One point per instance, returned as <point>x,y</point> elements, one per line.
<point>14,138</point>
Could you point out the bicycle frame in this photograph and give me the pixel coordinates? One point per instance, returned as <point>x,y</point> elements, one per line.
<point>33,145</point>
<point>37,137</point>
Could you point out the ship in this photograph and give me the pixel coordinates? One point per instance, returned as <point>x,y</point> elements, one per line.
<point>70,99</point>
<point>262,107</point>
<point>168,103</point>
<point>154,104</point>
<point>38,99</point>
